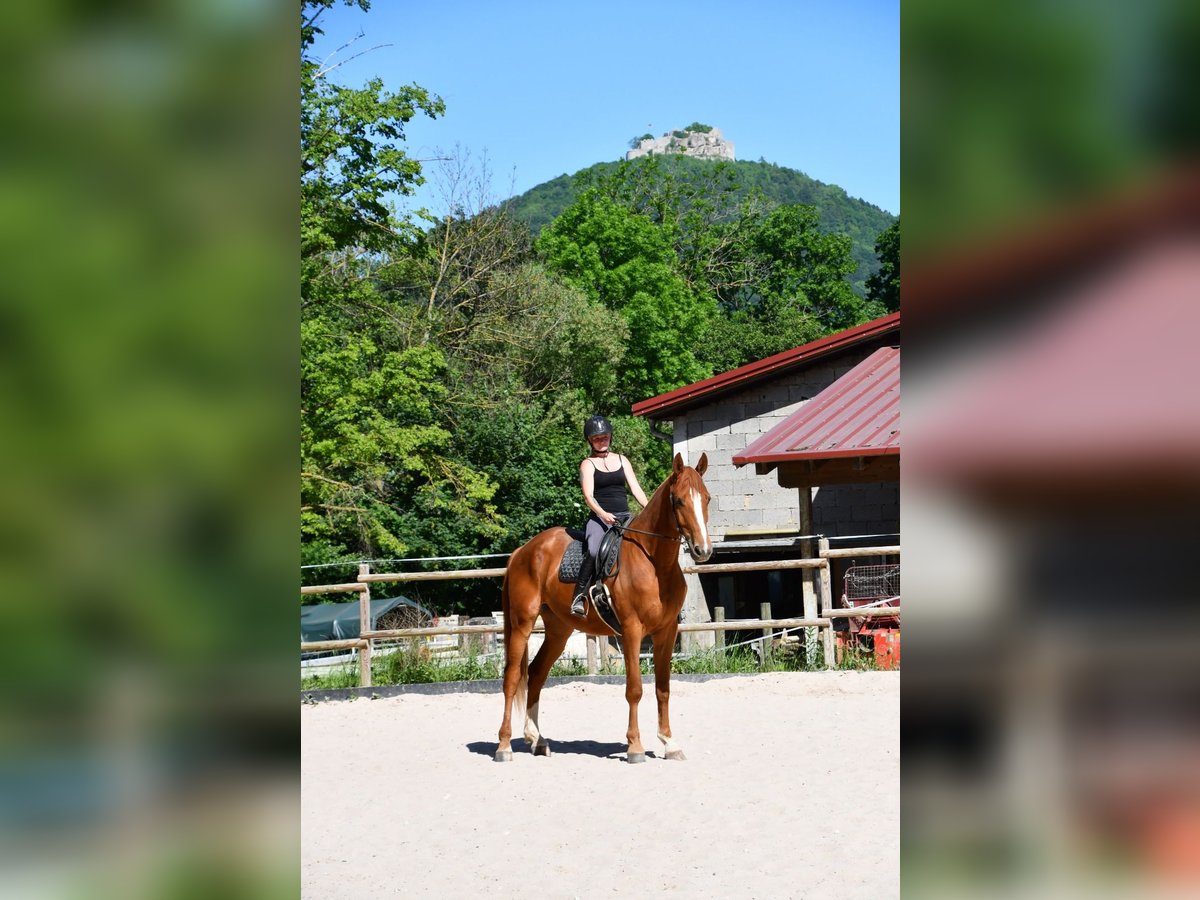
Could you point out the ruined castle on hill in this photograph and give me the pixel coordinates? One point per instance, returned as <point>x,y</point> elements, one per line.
<point>704,142</point>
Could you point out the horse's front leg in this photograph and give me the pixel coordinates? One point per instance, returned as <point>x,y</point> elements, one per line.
<point>664,646</point>
<point>631,644</point>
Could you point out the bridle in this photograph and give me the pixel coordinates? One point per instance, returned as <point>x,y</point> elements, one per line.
<point>677,537</point>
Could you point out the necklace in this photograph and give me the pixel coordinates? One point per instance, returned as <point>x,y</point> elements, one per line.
<point>603,457</point>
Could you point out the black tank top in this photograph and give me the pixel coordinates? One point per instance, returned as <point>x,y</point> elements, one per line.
<point>608,490</point>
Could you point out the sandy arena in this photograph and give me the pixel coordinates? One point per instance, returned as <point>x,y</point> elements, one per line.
<point>790,789</point>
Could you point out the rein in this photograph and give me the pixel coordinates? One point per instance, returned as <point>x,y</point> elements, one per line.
<point>624,528</point>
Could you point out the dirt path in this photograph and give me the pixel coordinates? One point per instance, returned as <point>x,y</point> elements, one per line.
<point>790,789</point>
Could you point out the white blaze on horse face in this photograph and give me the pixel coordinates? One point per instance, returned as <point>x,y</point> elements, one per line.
<point>701,547</point>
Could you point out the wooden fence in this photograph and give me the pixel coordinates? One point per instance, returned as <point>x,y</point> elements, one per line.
<point>822,622</point>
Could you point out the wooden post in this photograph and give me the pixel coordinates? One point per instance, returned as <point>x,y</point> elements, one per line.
<point>719,634</point>
<point>826,578</point>
<point>364,625</point>
<point>826,585</point>
<point>809,577</point>
<point>591,654</point>
<point>764,612</point>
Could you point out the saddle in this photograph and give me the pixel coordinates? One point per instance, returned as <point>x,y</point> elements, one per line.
<point>609,564</point>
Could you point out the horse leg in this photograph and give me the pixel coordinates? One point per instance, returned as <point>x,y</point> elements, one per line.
<point>552,647</point>
<point>664,646</point>
<point>516,680</point>
<point>631,644</point>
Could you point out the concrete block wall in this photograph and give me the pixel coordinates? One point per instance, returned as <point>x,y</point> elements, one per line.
<point>743,500</point>
<point>848,509</point>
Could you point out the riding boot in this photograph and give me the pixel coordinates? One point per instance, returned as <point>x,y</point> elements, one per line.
<point>586,568</point>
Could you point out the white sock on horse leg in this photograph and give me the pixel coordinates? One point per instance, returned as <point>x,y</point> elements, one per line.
<point>669,744</point>
<point>531,725</point>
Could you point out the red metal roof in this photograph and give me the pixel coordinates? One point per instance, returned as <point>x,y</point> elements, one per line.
<point>1101,395</point>
<point>857,415</point>
<point>702,391</point>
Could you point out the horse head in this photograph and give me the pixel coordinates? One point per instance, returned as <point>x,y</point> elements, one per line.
<point>689,504</point>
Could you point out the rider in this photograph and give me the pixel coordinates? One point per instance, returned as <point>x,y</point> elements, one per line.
<point>604,477</point>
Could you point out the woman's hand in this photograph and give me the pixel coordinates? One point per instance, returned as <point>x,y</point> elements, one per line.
<point>607,518</point>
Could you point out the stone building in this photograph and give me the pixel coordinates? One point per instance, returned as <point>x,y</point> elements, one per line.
<point>704,144</point>
<point>751,515</point>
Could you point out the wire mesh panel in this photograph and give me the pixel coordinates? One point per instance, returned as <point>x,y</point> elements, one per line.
<point>872,587</point>
<point>871,583</point>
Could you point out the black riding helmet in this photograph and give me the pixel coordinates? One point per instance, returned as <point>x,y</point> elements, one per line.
<point>596,425</point>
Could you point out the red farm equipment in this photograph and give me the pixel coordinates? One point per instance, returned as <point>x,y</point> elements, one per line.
<point>872,588</point>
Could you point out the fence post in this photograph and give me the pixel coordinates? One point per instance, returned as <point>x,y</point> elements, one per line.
<point>764,612</point>
<point>827,603</point>
<point>719,634</point>
<point>364,625</point>
<point>591,654</point>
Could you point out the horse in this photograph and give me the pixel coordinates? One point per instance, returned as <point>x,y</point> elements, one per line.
<point>647,595</point>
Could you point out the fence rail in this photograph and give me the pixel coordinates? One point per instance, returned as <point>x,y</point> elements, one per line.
<point>823,623</point>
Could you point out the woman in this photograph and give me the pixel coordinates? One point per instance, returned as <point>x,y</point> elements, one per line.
<point>604,477</point>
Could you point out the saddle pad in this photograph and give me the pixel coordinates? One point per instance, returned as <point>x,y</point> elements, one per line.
<point>568,569</point>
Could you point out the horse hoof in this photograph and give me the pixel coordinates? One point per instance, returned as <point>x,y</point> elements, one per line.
<point>676,754</point>
<point>541,748</point>
<point>503,756</point>
<point>635,757</point>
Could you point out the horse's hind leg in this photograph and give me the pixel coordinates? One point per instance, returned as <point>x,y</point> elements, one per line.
<point>552,647</point>
<point>516,679</point>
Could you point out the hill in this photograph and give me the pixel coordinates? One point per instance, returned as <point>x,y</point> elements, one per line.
<point>837,212</point>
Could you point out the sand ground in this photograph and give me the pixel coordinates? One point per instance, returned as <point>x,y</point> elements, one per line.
<point>790,789</point>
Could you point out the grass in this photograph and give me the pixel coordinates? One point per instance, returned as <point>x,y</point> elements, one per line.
<point>410,665</point>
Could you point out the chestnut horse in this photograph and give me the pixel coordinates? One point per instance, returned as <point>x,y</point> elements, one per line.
<point>647,596</point>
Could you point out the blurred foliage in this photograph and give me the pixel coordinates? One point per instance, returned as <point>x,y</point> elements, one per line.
<point>147,324</point>
<point>1012,113</point>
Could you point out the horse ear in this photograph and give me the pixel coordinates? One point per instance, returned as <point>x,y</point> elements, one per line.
<point>678,461</point>
<point>702,466</point>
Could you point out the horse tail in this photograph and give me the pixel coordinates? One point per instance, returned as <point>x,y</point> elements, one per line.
<point>522,685</point>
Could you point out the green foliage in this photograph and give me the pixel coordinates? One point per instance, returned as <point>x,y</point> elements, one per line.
<point>699,128</point>
<point>377,471</point>
<point>375,475</point>
<point>636,141</point>
<point>350,158</point>
<point>883,288</point>
<point>806,268</point>
<point>622,261</point>
<point>837,213</point>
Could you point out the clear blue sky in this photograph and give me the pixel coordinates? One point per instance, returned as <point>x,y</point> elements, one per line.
<point>543,89</point>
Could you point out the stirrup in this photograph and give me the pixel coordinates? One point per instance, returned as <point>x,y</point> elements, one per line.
<point>579,604</point>
<point>598,593</point>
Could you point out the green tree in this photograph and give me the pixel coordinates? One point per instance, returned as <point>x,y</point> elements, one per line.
<point>622,261</point>
<point>375,470</point>
<point>379,474</point>
<point>350,160</point>
<point>883,288</point>
<point>806,268</point>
